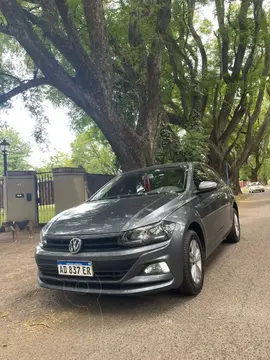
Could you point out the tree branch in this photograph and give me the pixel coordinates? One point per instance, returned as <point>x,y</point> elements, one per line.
<point>250,58</point>
<point>239,132</point>
<point>154,63</point>
<point>59,40</point>
<point>11,76</point>
<point>237,116</point>
<point>70,29</point>
<point>223,32</point>
<point>200,100</point>
<point>23,87</point>
<point>242,19</point>
<point>5,29</point>
<point>24,33</point>
<point>99,42</point>
<point>197,38</point>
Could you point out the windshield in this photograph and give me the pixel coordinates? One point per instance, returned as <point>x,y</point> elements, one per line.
<point>157,181</point>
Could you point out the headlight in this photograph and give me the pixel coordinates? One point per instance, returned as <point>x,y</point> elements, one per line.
<point>148,234</point>
<point>42,239</point>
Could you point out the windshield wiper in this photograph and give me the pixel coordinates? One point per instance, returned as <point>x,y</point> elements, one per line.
<point>118,196</point>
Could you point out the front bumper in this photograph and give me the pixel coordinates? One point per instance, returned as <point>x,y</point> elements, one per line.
<point>116,272</point>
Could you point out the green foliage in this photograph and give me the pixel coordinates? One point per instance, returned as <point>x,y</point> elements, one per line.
<point>60,159</point>
<point>264,173</point>
<point>196,93</point>
<point>245,173</point>
<point>194,147</point>
<point>182,146</point>
<point>18,153</point>
<point>258,163</point>
<point>90,150</point>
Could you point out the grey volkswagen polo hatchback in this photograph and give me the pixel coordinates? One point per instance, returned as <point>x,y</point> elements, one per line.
<point>146,230</point>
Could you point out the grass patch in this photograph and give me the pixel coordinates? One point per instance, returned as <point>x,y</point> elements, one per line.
<point>242,197</point>
<point>45,213</point>
<point>2,217</point>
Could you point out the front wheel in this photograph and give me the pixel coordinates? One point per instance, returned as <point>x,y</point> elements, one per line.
<point>235,234</point>
<point>193,269</point>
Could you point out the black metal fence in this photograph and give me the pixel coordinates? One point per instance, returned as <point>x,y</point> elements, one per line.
<point>96,181</point>
<point>45,192</point>
<point>45,197</point>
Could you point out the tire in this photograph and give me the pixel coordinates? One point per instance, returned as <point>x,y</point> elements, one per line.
<point>189,286</point>
<point>235,234</point>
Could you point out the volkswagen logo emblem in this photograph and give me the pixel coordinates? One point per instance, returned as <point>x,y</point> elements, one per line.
<point>75,245</point>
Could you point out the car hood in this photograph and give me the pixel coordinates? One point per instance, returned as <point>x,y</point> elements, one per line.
<point>113,215</point>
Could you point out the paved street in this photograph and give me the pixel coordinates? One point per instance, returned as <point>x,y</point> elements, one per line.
<point>230,319</point>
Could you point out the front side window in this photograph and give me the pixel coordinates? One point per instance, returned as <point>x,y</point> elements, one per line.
<point>212,175</point>
<point>204,173</point>
<point>157,181</point>
<point>199,175</point>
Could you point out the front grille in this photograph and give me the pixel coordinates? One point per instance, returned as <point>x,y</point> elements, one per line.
<point>98,275</point>
<point>88,244</point>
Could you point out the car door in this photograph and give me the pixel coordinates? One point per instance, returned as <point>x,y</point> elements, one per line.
<point>225,219</point>
<point>208,206</point>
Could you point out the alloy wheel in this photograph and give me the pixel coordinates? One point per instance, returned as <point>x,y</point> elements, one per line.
<point>236,225</point>
<point>195,258</point>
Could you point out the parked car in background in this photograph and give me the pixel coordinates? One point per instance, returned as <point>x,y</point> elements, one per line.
<point>256,187</point>
<point>146,230</point>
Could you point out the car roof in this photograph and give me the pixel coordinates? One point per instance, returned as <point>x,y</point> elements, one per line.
<point>162,166</point>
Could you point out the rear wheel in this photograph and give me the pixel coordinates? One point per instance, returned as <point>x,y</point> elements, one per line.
<point>193,270</point>
<point>235,234</point>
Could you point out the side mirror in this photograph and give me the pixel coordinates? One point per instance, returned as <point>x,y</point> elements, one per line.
<point>206,186</point>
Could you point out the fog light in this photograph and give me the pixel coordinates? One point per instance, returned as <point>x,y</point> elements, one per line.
<point>157,268</point>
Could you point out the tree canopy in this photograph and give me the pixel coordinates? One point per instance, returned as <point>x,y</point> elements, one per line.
<point>90,150</point>
<point>142,71</point>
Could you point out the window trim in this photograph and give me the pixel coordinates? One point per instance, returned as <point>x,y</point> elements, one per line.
<point>204,168</point>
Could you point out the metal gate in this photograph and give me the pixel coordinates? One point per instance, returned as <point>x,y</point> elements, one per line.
<point>45,197</point>
<point>2,215</point>
<point>96,181</point>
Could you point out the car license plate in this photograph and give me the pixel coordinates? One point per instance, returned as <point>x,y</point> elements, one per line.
<point>75,268</point>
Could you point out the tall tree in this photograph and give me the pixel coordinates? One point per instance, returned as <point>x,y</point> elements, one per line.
<point>73,50</point>
<point>134,65</point>
<point>221,84</point>
<point>254,169</point>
